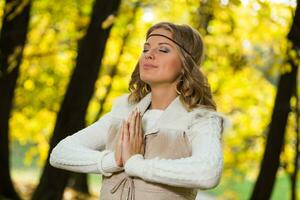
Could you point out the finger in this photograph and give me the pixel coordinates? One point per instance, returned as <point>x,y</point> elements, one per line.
<point>121,141</point>
<point>130,115</point>
<point>125,132</point>
<point>125,146</point>
<point>132,126</point>
<point>141,136</point>
<point>118,152</point>
<point>137,125</point>
<point>121,133</point>
<point>141,127</point>
<point>136,133</point>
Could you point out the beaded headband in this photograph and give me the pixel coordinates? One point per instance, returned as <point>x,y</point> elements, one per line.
<point>155,34</point>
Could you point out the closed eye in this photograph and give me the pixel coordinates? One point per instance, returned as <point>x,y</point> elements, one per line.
<point>165,50</point>
<point>161,49</point>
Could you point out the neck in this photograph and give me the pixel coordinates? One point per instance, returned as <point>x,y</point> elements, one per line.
<point>162,96</point>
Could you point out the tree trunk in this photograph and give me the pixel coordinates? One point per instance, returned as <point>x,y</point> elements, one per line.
<point>286,87</point>
<point>71,116</point>
<point>12,41</point>
<point>78,181</point>
<point>293,36</point>
<point>297,150</point>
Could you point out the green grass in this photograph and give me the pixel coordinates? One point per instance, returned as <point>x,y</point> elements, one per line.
<point>239,188</point>
<point>94,182</point>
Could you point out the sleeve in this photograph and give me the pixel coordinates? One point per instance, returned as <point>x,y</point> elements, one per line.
<point>202,170</point>
<point>84,151</point>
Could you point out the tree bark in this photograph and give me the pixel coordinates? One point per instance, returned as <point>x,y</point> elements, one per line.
<point>78,181</point>
<point>275,141</point>
<point>293,36</point>
<point>297,150</point>
<point>71,116</point>
<point>12,40</point>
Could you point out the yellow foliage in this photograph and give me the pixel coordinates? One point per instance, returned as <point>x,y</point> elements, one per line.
<point>242,61</point>
<point>105,80</point>
<point>29,85</point>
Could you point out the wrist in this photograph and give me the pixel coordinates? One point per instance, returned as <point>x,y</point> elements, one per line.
<point>109,164</point>
<point>118,161</point>
<point>134,166</point>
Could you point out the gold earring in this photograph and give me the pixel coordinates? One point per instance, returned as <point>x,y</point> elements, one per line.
<point>179,93</point>
<point>181,80</point>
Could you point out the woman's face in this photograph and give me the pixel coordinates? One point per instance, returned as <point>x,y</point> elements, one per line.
<point>160,62</point>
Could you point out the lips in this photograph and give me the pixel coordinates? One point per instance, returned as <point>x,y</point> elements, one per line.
<point>149,66</point>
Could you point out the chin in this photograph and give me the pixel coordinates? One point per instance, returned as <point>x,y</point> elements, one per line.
<point>148,81</point>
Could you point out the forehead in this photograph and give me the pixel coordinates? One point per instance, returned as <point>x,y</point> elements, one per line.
<point>160,38</point>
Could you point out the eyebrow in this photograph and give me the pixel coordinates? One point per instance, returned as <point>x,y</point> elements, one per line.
<point>147,43</point>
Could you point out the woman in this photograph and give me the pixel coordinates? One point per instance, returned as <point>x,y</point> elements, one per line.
<point>163,140</point>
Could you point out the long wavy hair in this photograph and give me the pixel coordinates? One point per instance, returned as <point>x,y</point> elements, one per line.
<point>193,88</point>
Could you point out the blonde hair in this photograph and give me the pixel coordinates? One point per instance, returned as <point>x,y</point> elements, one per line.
<point>193,88</point>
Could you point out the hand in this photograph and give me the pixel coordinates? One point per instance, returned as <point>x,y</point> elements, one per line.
<point>118,152</point>
<point>133,137</point>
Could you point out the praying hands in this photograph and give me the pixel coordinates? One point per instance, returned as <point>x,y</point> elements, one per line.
<point>131,138</point>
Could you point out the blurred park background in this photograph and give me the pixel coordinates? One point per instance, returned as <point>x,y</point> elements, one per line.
<point>62,64</point>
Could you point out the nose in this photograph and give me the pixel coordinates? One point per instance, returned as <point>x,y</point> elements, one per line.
<point>149,54</point>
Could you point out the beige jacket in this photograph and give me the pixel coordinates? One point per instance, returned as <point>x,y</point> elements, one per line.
<point>167,140</point>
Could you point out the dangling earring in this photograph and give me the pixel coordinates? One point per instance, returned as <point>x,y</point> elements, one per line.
<point>179,93</point>
<point>181,80</point>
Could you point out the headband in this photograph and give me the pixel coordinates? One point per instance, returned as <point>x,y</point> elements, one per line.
<point>154,34</point>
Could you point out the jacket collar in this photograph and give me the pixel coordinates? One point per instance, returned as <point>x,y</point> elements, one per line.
<point>175,115</point>
<point>173,112</point>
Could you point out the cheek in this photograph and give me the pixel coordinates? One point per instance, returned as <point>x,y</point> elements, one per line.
<point>177,65</point>
<point>142,73</point>
<point>173,67</point>
<point>140,60</point>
